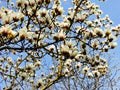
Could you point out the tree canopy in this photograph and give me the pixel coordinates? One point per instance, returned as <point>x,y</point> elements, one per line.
<point>43,46</point>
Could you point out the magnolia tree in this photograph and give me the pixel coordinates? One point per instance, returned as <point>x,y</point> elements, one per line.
<point>44,47</point>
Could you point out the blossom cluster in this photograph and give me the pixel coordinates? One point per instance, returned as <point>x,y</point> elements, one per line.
<point>40,43</point>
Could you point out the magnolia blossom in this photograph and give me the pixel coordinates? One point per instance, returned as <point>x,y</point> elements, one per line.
<point>59,36</point>
<point>99,32</point>
<point>95,44</point>
<point>6,19</point>
<point>10,61</point>
<point>5,77</point>
<point>68,62</point>
<point>8,32</point>
<point>103,60</point>
<point>102,69</point>
<point>42,13</point>
<point>17,16</point>
<point>30,66</point>
<point>66,71</point>
<point>64,25</point>
<point>52,67</point>
<point>105,48</point>
<point>85,70</point>
<point>51,48</point>
<point>79,56</point>
<point>111,37</point>
<point>81,17</point>
<point>23,76</point>
<point>60,10</point>
<point>74,53</point>
<point>65,49</point>
<point>38,63</point>
<point>96,73</point>
<point>22,33</point>
<point>107,31</point>
<point>78,65</point>
<point>39,83</point>
<point>90,75</point>
<point>113,44</point>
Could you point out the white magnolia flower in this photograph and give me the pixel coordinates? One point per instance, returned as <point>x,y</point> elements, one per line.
<point>111,38</point>
<point>113,44</point>
<point>96,73</point>
<point>78,65</point>
<point>105,48</point>
<point>22,33</point>
<point>38,63</point>
<point>10,61</point>
<point>90,75</point>
<point>74,53</point>
<point>85,70</point>
<point>99,32</point>
<point>68,62</point>
<point>61,35</point>
<point>66,71</point>
<point>51,48</point>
